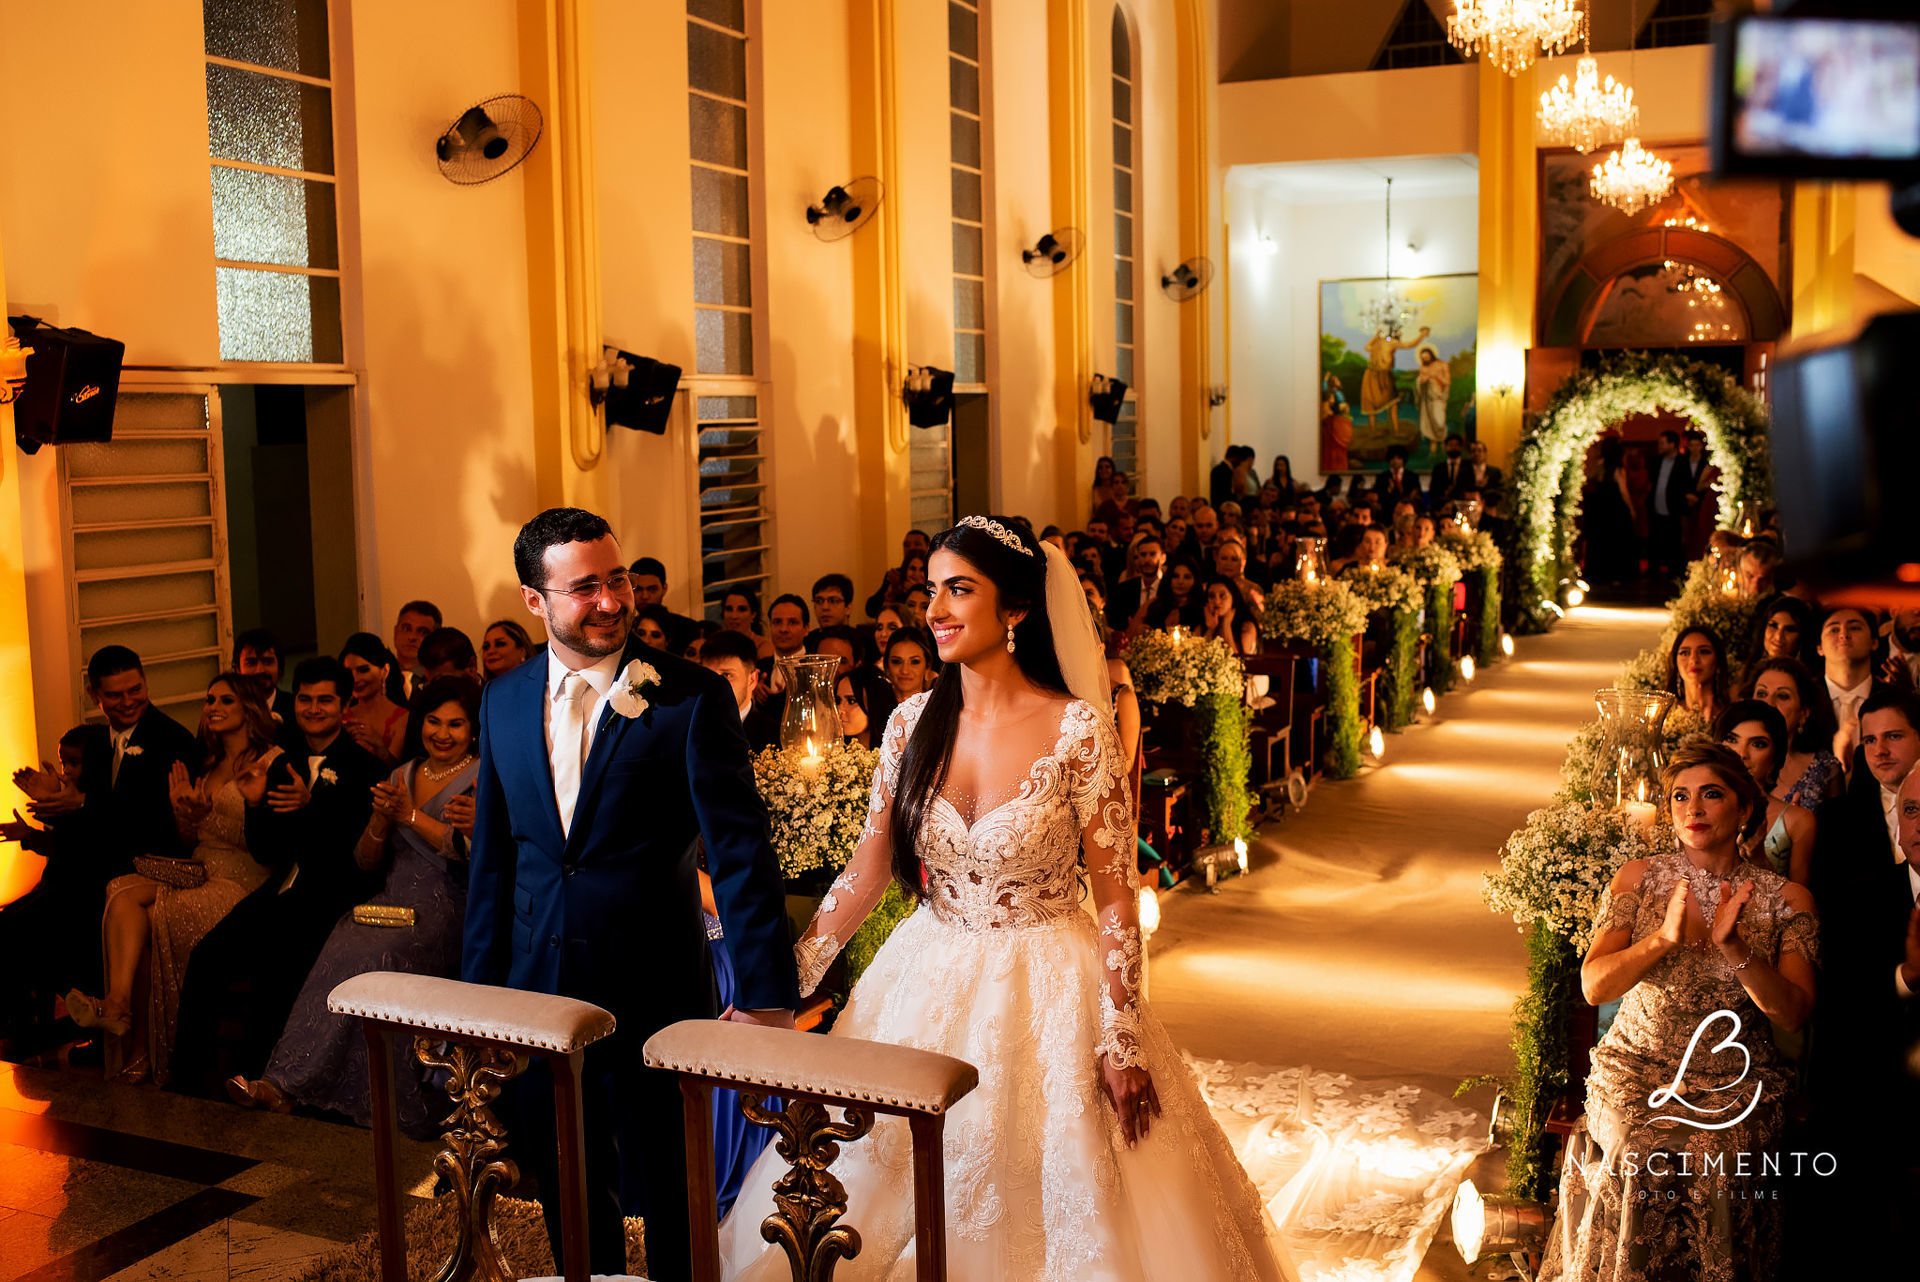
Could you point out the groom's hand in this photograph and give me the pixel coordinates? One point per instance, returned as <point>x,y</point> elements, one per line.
<point>765,1018</point>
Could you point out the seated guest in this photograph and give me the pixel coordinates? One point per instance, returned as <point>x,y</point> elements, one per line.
<point>1178,539</point>
<point>914,606</point>
<point>1758,562</point>
<point>1179,509</point>
<point>692,653</point>
<point>893,586</point>
<point>416,621</point>
<point>1179,601</point>
<point>1406,531</point>
<point>160,923</point>
<point>1448,471</point>
<point>1857,830</point>
<point>256,653</point>
<point>740,612</point>
<point>1697,672</point>
<point>1230,563</point>
<point>850,701</point>
<point>910,663</point>
<point>448,652</point>
<point>888,621</point>
<point>1397,484</point>
<point>1130,599</point>
<point>1681,936</point>
<point>318,798</point>
<point>1846,640</point>
<point>1205,523</point>
<point>649,578</point>
<point>651,624</point>
<point>1809,774</point>
<point>46,936</point>
<point>832,600</point>
<point>1784,629</point>
<point>1224,614</point>
<point>504,646</point>
<point>1126,704</point>
<point>787,617</point>
<point>375,716</point>
<point>1344,550</point>
<point>1483,480</point>
<point>731,654</point>
<point>1757,733</point>
<point>414,841</point>
<point>1055,535</point>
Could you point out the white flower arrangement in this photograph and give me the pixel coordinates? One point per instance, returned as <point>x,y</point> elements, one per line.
<point>1319,613</point>
<point>1475,551</point>
<point>628,695</point>
<point>817,803</point>
<point>1387,588</point>
<point>132,750</point>
<point>1556,869</point>
<point>1583,750</point>
<point>1432,564</point>
<point>1183,670</point>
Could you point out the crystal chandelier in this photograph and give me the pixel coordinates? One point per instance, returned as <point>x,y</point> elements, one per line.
<point>1588,114</point>
<point>1389,312</point>
<point>1632,178</point>
<point>1513,33</point>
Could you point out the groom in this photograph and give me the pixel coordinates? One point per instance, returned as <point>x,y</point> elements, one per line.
<point>583,880</point>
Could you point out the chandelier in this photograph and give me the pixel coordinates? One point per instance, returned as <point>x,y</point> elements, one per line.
<point>1587,114</point>
<point>1389,312</point>
<point>1632,178</point>
<point>1513,33</point>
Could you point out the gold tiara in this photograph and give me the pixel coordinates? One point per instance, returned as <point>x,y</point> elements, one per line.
<point>998,531</point>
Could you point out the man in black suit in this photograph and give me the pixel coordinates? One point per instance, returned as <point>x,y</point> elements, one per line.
<point>1397,485</point>
<point>1447,473</point>
<point>1130,599</point>
<point>1847,636</point>
<point>256,653</point>
<point>734,656</point>
<point>649,575</point>
<point>318,800</point>
<point>117,808</point>
<point>1667,508</point>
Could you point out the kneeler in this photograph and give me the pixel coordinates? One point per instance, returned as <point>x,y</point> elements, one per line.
<point>485,1036</point>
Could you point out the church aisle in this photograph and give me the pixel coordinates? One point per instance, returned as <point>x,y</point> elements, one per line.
<point>1358,943</point>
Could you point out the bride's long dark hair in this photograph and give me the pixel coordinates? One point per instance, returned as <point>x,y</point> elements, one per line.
<point>1020,577</point>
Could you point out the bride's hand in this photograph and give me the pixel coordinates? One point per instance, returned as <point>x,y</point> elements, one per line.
<point>1130,1090</point>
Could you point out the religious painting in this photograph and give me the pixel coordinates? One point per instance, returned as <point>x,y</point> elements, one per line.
<point>1724,287</point>
<point>1396,368</point>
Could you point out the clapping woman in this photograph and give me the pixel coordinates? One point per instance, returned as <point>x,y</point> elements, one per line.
<point>422,816</point>
<point>159,921</point>
<point>1686,937</point>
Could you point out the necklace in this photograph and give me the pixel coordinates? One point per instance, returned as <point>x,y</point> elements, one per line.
<point>437,775</point>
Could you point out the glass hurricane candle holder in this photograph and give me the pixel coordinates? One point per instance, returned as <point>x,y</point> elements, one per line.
<point>811,719</point>
<point>1632,751</point>
<point>1310,559</point>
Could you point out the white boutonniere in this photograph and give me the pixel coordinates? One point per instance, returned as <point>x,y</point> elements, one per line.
<point>326,775</point>
<point>132,750</point>
<point>628,697</point>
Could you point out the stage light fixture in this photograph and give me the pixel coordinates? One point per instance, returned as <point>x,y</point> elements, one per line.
<point>1466,666</point>
<point>1240,852</point>
<point>1488,1226</point>
<point>1427,700</point>
<point>1506,644</point>
<point>1149,912</point>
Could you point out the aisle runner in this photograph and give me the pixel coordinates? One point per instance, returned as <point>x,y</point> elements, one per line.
<point>1358,1175</point>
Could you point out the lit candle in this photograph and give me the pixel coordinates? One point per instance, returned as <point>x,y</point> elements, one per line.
<point>1640,812</point>
<point>810,764</point>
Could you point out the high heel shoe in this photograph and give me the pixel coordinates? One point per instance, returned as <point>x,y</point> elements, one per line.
<point>259,1093</point>
<point>135,1073</point>
<point>91,1012</point>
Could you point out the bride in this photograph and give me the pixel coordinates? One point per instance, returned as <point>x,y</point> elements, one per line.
<point>1086,1153</point>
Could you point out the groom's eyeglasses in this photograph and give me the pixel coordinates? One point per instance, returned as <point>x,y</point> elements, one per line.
<point>588,593</point>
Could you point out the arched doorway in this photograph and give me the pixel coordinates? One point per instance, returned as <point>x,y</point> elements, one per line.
<point>1548,467</point>
<point>1742,282</point>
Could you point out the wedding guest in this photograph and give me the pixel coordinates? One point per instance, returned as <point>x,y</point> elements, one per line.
<point>1703,502</point>
<point>416,620</point>
<point>1485,478</point>
<point>648,576</point>
<point>840,641</point>
<point>886,622</point>
<point>1230,562</point>
<point>1179,602</point>
<point>1205,523</point>
<point>650,623</point>
<point>1757,733</point>
<point>504,646</point>
<point>1126,704</point>
<point>1846,649</point>
<point>1133,595</point>
<point>448,652</point>
<point>707,627</point>
<point>1178,539</point>
<point>1224,613</point>
<point>1179,508</point>
<point>1682,936</point>
<point>787,626</point>
<point>160,923</point>
<point>376,716</point>
<point>1282,476</point>
<point>832,595</point>
<point>256,653</point>
<point>1397,484</point>
<point>1697,672</point>
<point>1785,630</point>
<point>1809,774</point>
<point>413,841</point>
<point>46,936</point>
<point>1448,471</point>
<point>318,798</point>
<point>909,663</point>
<point>732,655</point>
<point>1102,490</point>
<point>1902,664</point>
<point>740,612</point>
<point>850,701</point>
<point>914,606</point>
<point>1344,550</point>
<point>1867,828</point>
<point>894,584</point>
<point>1759,562</point>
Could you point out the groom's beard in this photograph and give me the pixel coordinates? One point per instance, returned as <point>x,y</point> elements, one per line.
<point>580,641</point>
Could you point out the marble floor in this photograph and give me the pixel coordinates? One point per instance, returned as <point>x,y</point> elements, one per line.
<point>105,1181</point>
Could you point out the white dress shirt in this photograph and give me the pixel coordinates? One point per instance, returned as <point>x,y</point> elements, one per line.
<point>1913,886</point>
<point>1888,797</point>
<point>600,678</point>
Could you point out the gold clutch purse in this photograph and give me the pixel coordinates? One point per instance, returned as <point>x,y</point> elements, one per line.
<point>383,915</point>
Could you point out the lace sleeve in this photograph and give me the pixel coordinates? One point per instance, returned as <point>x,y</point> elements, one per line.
<point>1104,808</point>
<point>861,883</point>
<point>1799,933</point>
<point>1617,911</point>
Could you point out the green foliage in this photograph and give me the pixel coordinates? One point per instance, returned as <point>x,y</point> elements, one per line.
<point>1540,1055</point>
<point>1226,764</point>
<point>1403,677</point>
<point>1333,350</point>
<point>894,907</point>
<point>1343,707</point>
<point>1440,623</point>
<point>1486,641</point>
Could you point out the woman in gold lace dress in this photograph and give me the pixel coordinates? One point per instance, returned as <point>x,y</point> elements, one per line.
<point>236,730</point>
<point>1666,1178</point>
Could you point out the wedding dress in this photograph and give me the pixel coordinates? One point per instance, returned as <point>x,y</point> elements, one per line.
<point>1001,967</point>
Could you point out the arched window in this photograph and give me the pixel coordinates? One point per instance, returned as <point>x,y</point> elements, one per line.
<point>1124,440</point>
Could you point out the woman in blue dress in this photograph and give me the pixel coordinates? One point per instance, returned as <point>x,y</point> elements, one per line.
<point>422,818</point>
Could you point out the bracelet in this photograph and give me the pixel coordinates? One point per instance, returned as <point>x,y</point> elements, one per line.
<point>1743,965</point>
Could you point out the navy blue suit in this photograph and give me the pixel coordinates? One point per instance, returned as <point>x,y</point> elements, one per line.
<point>610,914</point>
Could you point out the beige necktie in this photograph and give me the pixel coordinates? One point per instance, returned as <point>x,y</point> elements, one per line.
<point>569,745</point>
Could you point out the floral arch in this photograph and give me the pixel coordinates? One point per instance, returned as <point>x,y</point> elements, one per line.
<point>1549,467</point>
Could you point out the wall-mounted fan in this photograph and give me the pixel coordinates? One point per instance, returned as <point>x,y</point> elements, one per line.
<point>1188,279</point>
<point>488,139</point>
<point>1054,252</point>
<point>845,210</point>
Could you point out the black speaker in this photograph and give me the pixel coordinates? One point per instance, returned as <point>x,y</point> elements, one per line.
<point>930,403</point>
<point>1106,397</point>
<point>73,381</point>
<point>646,402</point>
